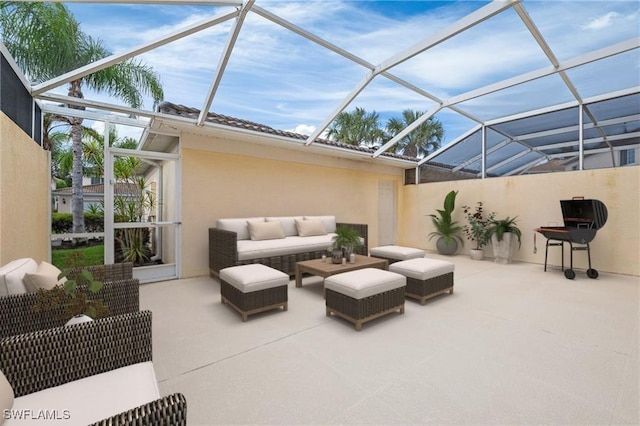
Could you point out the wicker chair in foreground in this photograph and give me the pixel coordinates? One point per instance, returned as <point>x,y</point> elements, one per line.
<point>91,358</point>
<point>120,293</point>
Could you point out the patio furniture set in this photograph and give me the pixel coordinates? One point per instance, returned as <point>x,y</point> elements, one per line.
<point>98,372</point>
<point>359,292</point>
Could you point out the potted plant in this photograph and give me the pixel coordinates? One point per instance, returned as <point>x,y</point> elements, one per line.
<point>503,234</point>
<point>446,229</point>
<point>72,299</point>
<point>345,240</point>
<point>477,228</point>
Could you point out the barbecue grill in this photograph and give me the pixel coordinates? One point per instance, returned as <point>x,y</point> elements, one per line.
<point>582,219</point>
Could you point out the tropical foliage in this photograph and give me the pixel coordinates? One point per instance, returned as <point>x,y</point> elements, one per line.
<point>356,128</point>
<point>500,226</point>
<point>422,141</point>
<point>363,128</point>
<point>445,226</point>
<point>478,224</point>
<point>46,41</point>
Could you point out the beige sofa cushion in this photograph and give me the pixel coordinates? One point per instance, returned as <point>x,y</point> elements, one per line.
<point>288,224</point>
<point>265,230</point>
<point>310,228</point>
<point>248,249</point>
<point>45,277</point>
<point>96,397</point>
<point>239,226</point>
<point>364,282</point>
<point>254,277</point>
<point>329,222</point>
<point>12,273</point>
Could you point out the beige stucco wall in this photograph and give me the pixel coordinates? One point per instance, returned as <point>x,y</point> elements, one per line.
<point>24,195</point>
<point>535,200</point>
<point>236,183</point>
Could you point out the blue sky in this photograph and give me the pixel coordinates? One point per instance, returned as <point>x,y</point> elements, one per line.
<point>280,79</point>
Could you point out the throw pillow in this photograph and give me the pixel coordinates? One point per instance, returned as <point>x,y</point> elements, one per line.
<point>6,396</point>
<point>265,230</point>
<point>309,228</point>
<point>45,277</point>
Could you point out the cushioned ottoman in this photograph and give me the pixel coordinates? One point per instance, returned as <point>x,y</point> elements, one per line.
<point>254,288</point>
<point>426,278</point>
<point>365,294</point>
<point>396,253</point>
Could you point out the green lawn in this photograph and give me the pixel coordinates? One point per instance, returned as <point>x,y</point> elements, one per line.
<point>84,256</point>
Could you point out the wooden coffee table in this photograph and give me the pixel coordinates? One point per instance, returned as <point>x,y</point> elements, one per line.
<point>327,268</point>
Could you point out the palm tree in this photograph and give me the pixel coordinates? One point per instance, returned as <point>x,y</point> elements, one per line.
<point>422,141</point>
<point>46,41</point>
<point>356,128</point>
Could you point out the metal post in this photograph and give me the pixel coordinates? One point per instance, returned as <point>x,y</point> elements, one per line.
<point>581,137</point>
<point>109,183</point>
<point>484,152</point>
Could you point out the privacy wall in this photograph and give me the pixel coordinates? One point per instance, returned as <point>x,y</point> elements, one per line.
<point>233,183</point>
<point>24,195</point>
<point>535,200</point>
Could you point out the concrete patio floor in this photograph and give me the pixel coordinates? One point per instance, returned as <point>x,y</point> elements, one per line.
<point>512,345</point>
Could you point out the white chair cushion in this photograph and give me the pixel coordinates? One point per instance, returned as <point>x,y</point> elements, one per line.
<point>288,224</point>
<point>45,277</point>
<point>6,396</point>
<point>310,227</point>
<point>248,249</point>
<point>12,273</point>
<point>254,277</point>
<point>422,269</point>
<point>363,283</point>
<point>239,226</point>
<point>94,398</point>
<point>329,222</point>
<point>265,230</point>
<point>397,252</point>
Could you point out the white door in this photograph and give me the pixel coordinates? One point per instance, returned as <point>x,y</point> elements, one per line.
<point>144,221</point>
<point>386,212</point>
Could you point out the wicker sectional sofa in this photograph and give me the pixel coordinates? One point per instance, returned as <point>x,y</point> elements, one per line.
<point>230,243</point>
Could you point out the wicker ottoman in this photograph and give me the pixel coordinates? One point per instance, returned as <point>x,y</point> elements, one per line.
<point>254,288</point>
<point>365,294</point>
<point>396,253</point>
<point>426,278</point>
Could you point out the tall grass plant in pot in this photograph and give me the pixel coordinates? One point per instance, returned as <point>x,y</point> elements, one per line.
<point>446,228</point>
<point>504,233</point>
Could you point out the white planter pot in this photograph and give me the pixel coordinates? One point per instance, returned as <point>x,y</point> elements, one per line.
<point>79,319</point>
<point>476,254</point>
<point>503,250</point>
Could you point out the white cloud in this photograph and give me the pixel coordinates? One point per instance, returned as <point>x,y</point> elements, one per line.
<point>304,129</point>
<point>601,22</point>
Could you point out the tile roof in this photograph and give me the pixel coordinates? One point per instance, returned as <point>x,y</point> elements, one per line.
<point>192,113</point>
<point>120,188</point>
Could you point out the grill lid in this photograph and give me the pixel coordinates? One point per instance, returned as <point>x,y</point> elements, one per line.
<point>581,213</point>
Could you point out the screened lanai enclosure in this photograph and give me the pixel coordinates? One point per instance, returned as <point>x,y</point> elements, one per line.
<point>519,86</point>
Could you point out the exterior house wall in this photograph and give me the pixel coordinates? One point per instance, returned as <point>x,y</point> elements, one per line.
<point>235,182</point>
<point>535,200</point>
<point>602,160</point>
<point>24,195</point>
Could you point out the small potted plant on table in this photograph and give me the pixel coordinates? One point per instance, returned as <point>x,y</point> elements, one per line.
<point>345,241</point>
<point>477,228</point>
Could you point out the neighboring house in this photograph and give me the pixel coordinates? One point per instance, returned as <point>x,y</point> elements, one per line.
<point>625,157</point>
<point>92,194</point>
